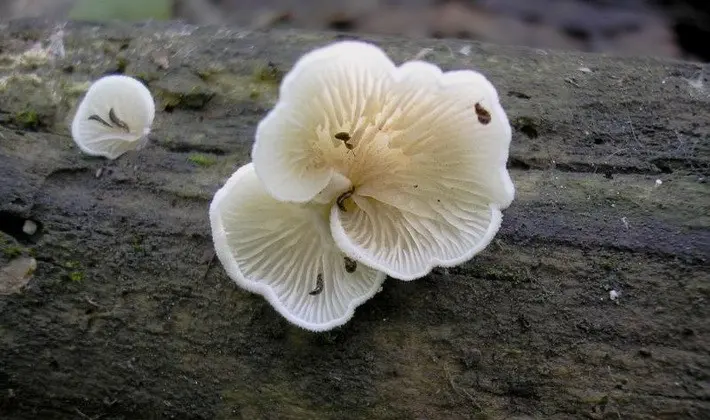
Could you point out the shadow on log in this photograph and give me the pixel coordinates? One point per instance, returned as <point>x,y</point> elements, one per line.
<point>591,303</point>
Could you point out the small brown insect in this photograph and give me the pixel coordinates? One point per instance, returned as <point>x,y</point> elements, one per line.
<point>350,265</point>
<point>344,196</point>
<point>484,117</point>
<point>345,138</point>
<point>114,119</point>
<point>100,120</point>
<point>319,286</point>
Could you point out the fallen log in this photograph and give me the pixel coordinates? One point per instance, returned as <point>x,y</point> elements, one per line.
<point>592,302</point>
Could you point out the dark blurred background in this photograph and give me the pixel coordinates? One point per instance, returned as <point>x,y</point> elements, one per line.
<point>666,28</point>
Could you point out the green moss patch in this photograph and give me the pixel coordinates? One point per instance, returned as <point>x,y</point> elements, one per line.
<point>126,10</point>
<point>202,160</point>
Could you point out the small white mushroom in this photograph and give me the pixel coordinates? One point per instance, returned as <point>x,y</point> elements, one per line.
<point>422,180</point>
<point>285,252</point>
<point>114,117</point>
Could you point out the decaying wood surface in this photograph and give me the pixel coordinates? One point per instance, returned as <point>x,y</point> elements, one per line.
<point>128,316</point>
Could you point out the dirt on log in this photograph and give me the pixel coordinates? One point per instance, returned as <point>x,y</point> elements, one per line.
<point>593,301</point>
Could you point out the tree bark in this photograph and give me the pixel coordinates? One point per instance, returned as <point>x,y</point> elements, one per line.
<point>129,316</point>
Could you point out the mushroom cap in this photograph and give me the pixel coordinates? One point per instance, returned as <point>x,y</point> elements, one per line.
<point>114,117</point>
<point>439,201</point>
<point>426,155</point>
<point>280,249</point>
<point>290,168</point>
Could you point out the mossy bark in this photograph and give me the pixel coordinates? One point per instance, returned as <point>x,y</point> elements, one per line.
<point>127,316</point>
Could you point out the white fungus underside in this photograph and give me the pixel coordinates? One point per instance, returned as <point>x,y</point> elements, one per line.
<point>277,249</point>
<point>430,177</point>
<point>132,103</point>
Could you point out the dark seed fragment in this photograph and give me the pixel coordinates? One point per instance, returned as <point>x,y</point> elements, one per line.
<point>342,136</point>
<point>350,265</point>
<point>345,138</point>
<point>319,286</point>
<point>344,196</point>
<point>484,117</point>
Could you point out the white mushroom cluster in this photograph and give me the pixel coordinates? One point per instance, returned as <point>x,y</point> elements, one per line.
<point>114,117</point>
<point>363,170</point>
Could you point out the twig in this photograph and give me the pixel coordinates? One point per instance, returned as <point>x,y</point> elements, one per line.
<point>209,265</point>
<point>91,302</point>
<point>459,390</point>
<point>631,124</point>
<point>87,417</point>
<point>572,82</point>
<point>81,414</point>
